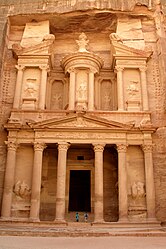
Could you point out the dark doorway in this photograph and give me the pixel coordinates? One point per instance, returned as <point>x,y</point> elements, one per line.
<point>79,193</point>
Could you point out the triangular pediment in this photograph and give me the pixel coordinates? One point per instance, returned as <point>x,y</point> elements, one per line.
<point>80,122</point>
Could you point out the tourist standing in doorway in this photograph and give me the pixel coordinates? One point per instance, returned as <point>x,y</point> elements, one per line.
<point>77,217</point>
<point>85,217</point>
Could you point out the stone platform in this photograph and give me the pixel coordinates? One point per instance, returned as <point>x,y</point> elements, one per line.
<point>81,229</point>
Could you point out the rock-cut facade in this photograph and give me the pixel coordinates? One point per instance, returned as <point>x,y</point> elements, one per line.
<point>83,100</point>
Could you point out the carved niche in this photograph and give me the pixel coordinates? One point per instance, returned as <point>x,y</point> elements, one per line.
<point>30,88</point>
<point>132,89</point>
<point>82,89</point>
<point>107,95</point>
<point>57,95</point>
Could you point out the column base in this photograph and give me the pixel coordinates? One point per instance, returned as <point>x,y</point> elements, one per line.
<point>34,219</point>
<point>152,221</point>
<point>123,220</point>
<point>98,222</point>
<point>60,221</point>
<point>6,218</point>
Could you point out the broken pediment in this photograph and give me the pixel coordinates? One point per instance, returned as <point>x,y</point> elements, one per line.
<point>80,121</point>
<point>43,48</point>
<point>119,49</point>
<point>34,33</point>
<point>36,39</point>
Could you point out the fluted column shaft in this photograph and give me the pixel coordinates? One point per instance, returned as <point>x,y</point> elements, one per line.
<point>120,87</point>
<point>145,103</point>
<point>36,181</point>
<point>91,92</point>
<point>72,89</point>
<point>17,95</point>
<point>9,179</point>
<point>149,176</point>
<point>43,85</point>
<point>61,181</point>
<point>98,205</point>
<point>122,182</point>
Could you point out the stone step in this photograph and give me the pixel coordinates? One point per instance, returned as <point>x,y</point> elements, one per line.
<point>77,229</point>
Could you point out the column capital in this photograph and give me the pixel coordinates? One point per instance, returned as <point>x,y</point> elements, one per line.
<point>121,147</point>
<point>143,69</point>
<point>92,70</point>
<point>147,148</point>
<point>63,146</point>
<point>98,147</point>
<point>71,70</point>
<point>20,67</point>
<point>119,68</point>
<point>39,146</point>
<point>11,145</point>
<point>44,67</point>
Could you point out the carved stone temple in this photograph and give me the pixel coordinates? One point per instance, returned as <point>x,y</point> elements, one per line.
<point>83,111</point>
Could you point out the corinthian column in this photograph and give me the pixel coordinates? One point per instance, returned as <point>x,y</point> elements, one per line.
<point>120,87</point>
<point>149,176</point>
<point>91,91</point>
<point>43,84</point>
<point>9,179</point>
<point>122,182</point>
<point>61,182</point>
<point>36,181</point>
<point>72,90</point>
<point>145,103</point>
<point>98,205</point>
<point>17,95</point>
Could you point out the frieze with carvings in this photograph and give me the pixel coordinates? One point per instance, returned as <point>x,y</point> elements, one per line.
<point>78,135</point>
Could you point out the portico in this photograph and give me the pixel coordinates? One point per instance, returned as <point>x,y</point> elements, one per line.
<point>62,149</point>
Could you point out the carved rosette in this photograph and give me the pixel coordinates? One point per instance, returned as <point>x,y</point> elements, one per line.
<point>147,148</point>
<point>63,146</point>
<point>11,145</point>
<point>39,146</point>
<point>121,148</point>
<point>98,147</point>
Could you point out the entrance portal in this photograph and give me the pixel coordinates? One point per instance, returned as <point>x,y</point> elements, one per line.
<point>79,193</point>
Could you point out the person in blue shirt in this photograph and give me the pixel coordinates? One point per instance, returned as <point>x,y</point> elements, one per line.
<point>77,217</point>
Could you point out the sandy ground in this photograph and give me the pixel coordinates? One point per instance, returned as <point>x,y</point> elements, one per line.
<point>10,242</point>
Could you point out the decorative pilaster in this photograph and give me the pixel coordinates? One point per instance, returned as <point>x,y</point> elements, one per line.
<point>9,179</point>
<point>149,176</point>
<point>43,84</point>
<point>36,181</point>
<point>91,91</point>
<point>17,95</point>
<point>145,103</point>
<point>122,182</point>
<point>98,205</point>
<point>120,87</point>
<point>61,182</point>
<point>72,91</point>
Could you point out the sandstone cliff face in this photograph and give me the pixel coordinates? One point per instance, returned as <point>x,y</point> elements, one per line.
<point>148,29</point>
